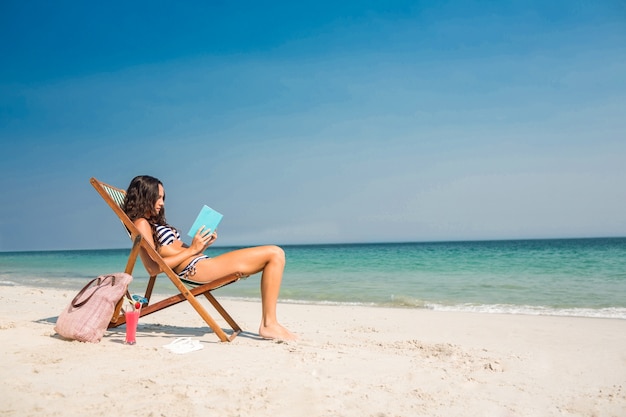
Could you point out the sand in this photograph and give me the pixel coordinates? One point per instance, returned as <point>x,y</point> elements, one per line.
<point>349,361</point>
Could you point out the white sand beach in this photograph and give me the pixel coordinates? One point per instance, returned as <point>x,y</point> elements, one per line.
<point>349,361</point>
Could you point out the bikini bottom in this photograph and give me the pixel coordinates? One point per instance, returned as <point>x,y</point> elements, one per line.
<point>190,270</point>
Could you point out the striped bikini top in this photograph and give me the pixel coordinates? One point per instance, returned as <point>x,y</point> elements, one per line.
<point>166,235</point>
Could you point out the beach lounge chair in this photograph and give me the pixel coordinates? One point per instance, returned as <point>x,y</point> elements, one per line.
<point>187,291</point>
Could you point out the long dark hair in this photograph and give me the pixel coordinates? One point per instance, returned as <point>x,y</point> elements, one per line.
<point>141,196</point>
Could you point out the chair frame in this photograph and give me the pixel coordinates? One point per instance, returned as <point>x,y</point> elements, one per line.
<point>185,293</point>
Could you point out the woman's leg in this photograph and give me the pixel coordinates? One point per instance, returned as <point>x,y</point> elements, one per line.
<point>270,260</point>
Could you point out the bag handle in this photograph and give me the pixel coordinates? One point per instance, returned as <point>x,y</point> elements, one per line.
<point>100,280</point>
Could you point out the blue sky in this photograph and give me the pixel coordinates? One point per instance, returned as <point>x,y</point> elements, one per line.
<point>318,122</point>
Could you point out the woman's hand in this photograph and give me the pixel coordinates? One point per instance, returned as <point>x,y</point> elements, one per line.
<point>203,239</point>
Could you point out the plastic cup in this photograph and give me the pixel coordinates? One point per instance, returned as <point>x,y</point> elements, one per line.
<point>132,318</point>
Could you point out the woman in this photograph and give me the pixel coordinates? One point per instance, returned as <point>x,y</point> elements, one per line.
<point>144,205</point>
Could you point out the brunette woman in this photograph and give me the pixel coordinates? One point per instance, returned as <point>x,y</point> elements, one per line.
<point>145,206</point>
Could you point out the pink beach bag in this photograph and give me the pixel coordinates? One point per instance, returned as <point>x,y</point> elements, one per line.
<point>87,316</point>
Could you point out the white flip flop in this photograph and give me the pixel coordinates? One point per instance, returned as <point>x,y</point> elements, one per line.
<point>183,345</point>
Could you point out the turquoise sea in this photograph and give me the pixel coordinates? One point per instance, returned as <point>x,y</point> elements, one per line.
<point>574,277</point>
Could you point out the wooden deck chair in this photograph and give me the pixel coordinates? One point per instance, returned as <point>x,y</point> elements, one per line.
<point>187,291</point>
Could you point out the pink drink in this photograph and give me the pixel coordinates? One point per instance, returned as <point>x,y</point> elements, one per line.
<point>132,318</point>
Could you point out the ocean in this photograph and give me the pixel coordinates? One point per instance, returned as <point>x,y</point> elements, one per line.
<point>571,277</point>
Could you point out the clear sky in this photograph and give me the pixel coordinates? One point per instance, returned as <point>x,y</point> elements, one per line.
<point>315,122</point>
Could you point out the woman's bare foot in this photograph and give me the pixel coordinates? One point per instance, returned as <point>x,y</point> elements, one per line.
<point>276,331</point>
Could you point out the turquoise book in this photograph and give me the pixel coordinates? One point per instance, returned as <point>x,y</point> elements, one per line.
<point>208,218</point>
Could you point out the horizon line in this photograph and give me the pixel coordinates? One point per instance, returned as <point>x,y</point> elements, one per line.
<point>399,242</point>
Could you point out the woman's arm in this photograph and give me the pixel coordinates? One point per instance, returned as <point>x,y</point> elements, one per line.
<point>150,264</point>
<point>175,253</point>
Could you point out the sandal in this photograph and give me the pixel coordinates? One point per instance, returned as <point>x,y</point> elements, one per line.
<point>183,345</point>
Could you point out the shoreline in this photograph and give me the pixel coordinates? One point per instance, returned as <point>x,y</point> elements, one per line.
<point>349,361</point>
<point>617,313</point>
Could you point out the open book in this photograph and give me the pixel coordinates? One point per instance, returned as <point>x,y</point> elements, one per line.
<point>208,218</point>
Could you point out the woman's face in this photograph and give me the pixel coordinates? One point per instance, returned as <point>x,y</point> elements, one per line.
<point>158,205</point>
